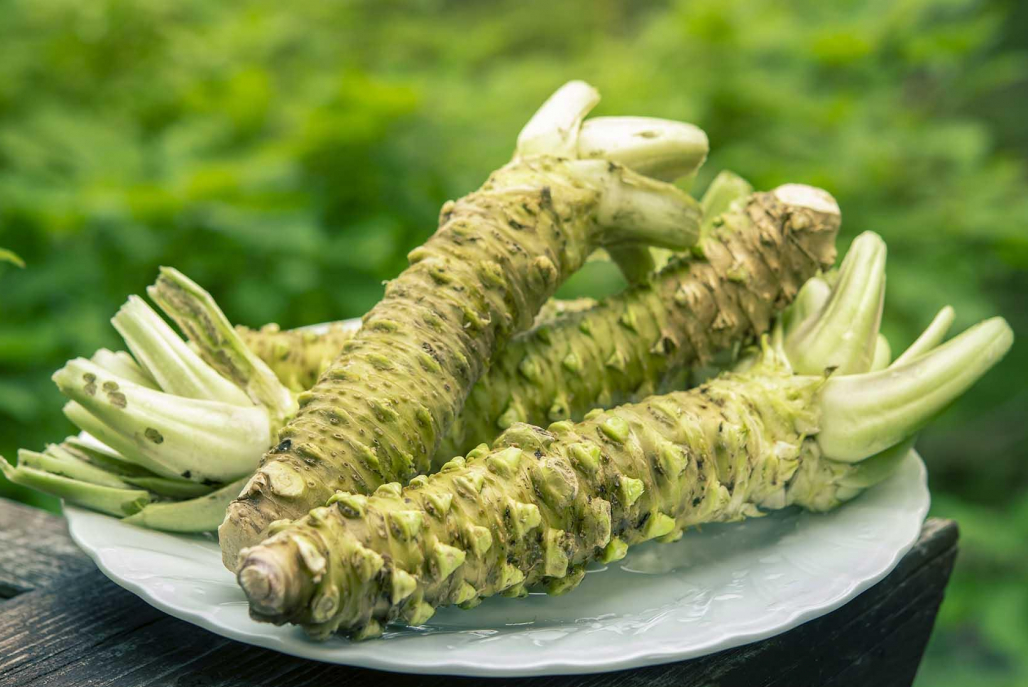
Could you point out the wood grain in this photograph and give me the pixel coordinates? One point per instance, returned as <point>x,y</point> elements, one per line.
<point>87,631</point>
<point>35,549</point>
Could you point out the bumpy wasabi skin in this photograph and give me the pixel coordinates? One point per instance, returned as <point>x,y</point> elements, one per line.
<point>378,412</point>
<point>297,356</point>
<point>745,270</point>
<point>537,507</point>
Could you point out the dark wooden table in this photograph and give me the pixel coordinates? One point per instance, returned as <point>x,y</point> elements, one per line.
<point>63,623</point>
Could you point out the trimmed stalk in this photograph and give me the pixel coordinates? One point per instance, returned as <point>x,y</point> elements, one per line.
<point>869,413</point>
<point>811,298</point>
<point>658,148</point>
<point>882,355</point>
<point>635,261</point>
<point>379,411</point>
<point>554,128</point>
<point>173,436</point>
<point>930,338</point>
<point>852,314</point>
<point>538,506</point>
<point>65,464</point>
<point>202,514</point>
<point>196,314</point>
<point>123,365</point>
<point>726,188</point>
<point>110,500</point>
<point>104,457</point>
<point>170,488</point>
<point>167,359</point>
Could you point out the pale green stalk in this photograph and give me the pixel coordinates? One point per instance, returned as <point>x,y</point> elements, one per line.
<point>200,318</point>
<point>168,360</point>
<point>202,514</point>
<point>173,436</point>
<point>110,500</point>
<point>866,414</point>
<point>853,313</point>
<point>63,463</point>
<point>930,338</point>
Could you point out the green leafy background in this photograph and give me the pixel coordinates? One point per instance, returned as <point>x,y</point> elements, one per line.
<point>287,155</point>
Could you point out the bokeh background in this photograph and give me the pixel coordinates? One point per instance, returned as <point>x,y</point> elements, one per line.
<point>287,155</point>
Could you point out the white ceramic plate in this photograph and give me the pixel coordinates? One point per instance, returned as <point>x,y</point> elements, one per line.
<point>712,590</point>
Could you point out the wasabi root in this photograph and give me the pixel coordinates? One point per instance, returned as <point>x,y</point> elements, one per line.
<point>378,412</point>
<point>748,267</point>
<point>534,509</point>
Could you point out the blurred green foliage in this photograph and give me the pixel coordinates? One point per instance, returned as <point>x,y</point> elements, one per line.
<point>287,155</point>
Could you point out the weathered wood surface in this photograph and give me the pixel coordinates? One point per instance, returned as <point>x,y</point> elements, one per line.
<point>35,549</point>
<point>75,627</point>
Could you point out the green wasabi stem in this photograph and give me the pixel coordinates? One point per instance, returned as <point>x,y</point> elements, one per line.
<point>379,411</point>
<point>539,505</point>
<point>930,338</point>
<point>123,365</point>
<point>657,148</point>
<point>869,413</point>
<point>103,457</point>
<point>750,266</point>
<point>853,310</point>
<point>171,488</point>
<point>882,355</point>
<point>726,188</point>
<point>811,298</point>
<point>110,500</point>
<point>60,462</point>
<point>174,414</point>
<point>202,514</point>
<point>167,359</point>
<point>635,261</point>
<point>170,435</point>
<point>196,314</point>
